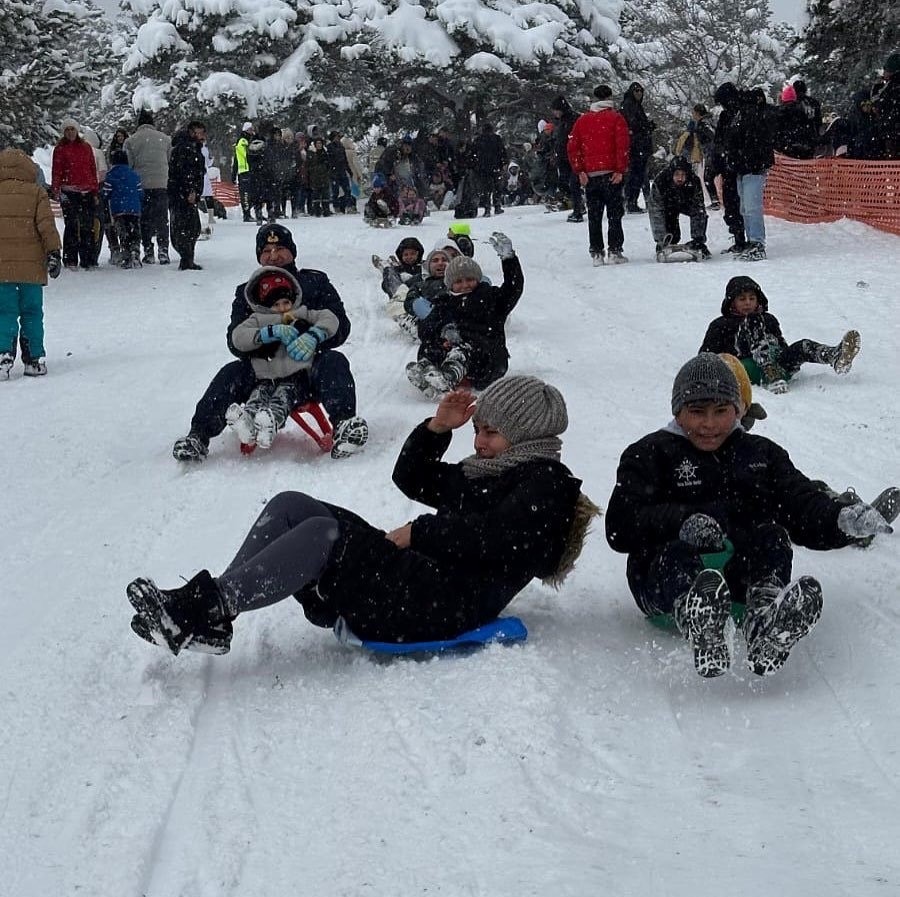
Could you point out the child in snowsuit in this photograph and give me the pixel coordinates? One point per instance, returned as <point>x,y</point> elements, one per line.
<point>462,333</point>
<point>29,251</point>
<point>122,190</point>
<point>412,206</point>
<point>707,514</point>
<point>283,334</point>
<point>747,329</point>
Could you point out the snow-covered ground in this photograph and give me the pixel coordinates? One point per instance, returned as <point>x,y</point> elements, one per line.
<point>591,760</point>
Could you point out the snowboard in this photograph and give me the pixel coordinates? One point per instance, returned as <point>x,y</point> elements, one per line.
<point>503,630</point>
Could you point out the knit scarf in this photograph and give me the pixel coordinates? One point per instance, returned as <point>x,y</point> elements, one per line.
<point>549,448</point>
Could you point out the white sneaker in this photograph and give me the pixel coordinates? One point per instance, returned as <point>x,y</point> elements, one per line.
<point>6,363</point>
<point>242,424</point>
<point>35,368</point>
<point>264,422</point>
<point>350,436</point>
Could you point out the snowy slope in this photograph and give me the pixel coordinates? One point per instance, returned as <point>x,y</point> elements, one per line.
<point>591,760</point>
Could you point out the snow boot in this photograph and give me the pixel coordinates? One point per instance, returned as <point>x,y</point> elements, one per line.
<point>777,618</point>
<point>701,615</point>
<point>349,437</point>
<point>35,368</point>
<point>163,255</point>
<point>575,218</point>
<point>6,363</point>
<point>752,252</point>
<point>735,249</point>
<point>597,257</point>
<point>427,378</point>
<point>190,448</point>
<point>149,258</point>
<point>454,366</point>
<point>176,617</point>
<point>242,422</point>
<point>846,351</point>
<point>616,256</point>
<point>265,427</point>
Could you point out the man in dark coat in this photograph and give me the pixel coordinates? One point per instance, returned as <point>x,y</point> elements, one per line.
<point>887,108</point>
<point>565,117</point>
<point>640,128</point>
<point>678,191</point>
<point>707,512</point>
<point>339,169</point>
<point>508,513</point>
<point>187,168</point>
<point>490,158</point>
<point>330,379</point>
<point>795,133</point>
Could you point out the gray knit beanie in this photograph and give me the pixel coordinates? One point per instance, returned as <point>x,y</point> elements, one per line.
<point>522,408</point>
<point>461,266</point>
<point>705,378</point>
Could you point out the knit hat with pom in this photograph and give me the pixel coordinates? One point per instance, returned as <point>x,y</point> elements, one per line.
<point>788,94</point>
<point>522,408</point>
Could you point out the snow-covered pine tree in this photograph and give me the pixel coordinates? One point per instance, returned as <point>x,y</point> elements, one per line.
<point>52,57</point>
<point>846,43</point>
<point>683,49</point>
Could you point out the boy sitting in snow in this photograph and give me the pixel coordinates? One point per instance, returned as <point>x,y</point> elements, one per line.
<point>404,265</point>
<point>747,329</point>
<point>283,335</point>
<point>462,329</point>
<point>707,512</point>
<point>382,207</point>
<point>412,206</point>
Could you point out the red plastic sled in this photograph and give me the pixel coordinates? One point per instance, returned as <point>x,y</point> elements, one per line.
<point>319,429</point>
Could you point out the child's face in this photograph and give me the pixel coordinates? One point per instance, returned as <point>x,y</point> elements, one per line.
<point>463,285</point>
<point>280,306</point>
<point>489,443</point>
<point>707,424</point>
<point>409,256</point>
<point>746,303</point>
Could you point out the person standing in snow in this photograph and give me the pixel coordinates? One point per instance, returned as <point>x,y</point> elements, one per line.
<point>29,251</point>
<point>241,173</point>
<point>505,515</point>
<point>148,152</point>
<point>707,514</point>
<point>123,195</point>
<point>729,98</point>
<point>490,158</point>
<point>598,153</point>
<point>640,129</point>
<point>74,184</point>
<point>330,380</point>
<point>187,169</point>
<point>565,117</point>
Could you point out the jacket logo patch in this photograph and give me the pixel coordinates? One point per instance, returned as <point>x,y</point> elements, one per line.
<point>686,474</point>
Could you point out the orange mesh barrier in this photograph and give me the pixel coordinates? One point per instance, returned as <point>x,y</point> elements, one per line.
<point>812,191</point>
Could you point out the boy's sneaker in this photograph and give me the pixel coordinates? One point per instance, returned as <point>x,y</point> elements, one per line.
<point>215,638</point>
<point>777,618</point>
<point>454,367</point>
<point>190,448</point>
<point>349,437</point>
<point>752,252</point>
<point>576,218</point>
<point>6,363</point>
<point>35,368</point>
<point>422,375</point>
<point>242,423</point>
<point>701,615</point>
<point>437,381</point>
<point>616,256</point>
<point>734,249</point>
<point>847,350</point>
<point>148,256</point>
<point>265,426</point>
<point>597,257</point>
<point>163,256</point>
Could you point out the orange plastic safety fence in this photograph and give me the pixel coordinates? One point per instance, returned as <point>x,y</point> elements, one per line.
<point>812,191</point>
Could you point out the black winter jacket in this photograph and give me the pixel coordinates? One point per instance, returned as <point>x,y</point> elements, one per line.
<point>750,139</point>
<point>640,127</point>
<point>488,539</point>
<point>318,292</point>
<point>480,318</point>
<point>795,133</point>
<point>667,199</point>
<point>187,167</point>
<point>722,333</point>
<point>662,479</point>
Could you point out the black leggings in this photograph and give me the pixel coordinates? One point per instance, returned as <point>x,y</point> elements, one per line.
<point>286,549</point>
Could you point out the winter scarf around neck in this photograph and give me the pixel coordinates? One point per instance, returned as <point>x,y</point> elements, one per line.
<point>548,448</point>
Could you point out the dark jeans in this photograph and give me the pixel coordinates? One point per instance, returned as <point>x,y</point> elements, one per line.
<point>634,180</point>
<point>78,237</point>
<point>128,233</point>
<point>602,194</point>
<point>300,200</point>
<point>155,219</point>
<point>329,381</point>
<point>767,552</point>
<point>185,228</point>
<point>575,192</point>
<point>245,191</point>
<point>340,184</point>
<point>490,189</point>
<point>731,203</point>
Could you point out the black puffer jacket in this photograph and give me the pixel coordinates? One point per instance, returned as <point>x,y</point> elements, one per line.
<point>722,333</point>
<point>480,318</point>
<point>750,139</point>
<point>187,168</point>
<point>487,540</point>
<point>318,292</point>
<point>795,133</point>
<point>662,479</point>
<point>667,199</point>
<point>640,127</point>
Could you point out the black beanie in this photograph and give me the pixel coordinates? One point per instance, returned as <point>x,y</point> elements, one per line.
<point>275,235</point>
<point>705,378</point>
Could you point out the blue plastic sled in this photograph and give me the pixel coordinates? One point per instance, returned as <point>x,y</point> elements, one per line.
<point>504,630</point>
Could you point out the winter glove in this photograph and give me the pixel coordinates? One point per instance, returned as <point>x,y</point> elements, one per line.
<point>304,346</point>
<point>421,307</point>
<point>754,413</point>
<point>54,264</point>
<point>502,245</point>
<point>277,333</point>
<point>703,532</point>
<point>861,520</point>
<point>450,336</point>
<point>383,206</point>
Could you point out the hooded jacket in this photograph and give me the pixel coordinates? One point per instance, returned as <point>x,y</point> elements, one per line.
<point>639,125</point>
<point>668,200</point>
<point>270,360</point>
<point>722,333</point>
<point>27,229</point>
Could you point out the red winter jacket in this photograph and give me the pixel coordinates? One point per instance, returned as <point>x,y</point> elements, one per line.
<point>599,141</point>
<point>74,167</point>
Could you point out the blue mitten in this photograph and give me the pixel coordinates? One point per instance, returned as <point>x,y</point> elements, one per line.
<point>277,333</point>
<point>304,346</point>
<point>421,307</point>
